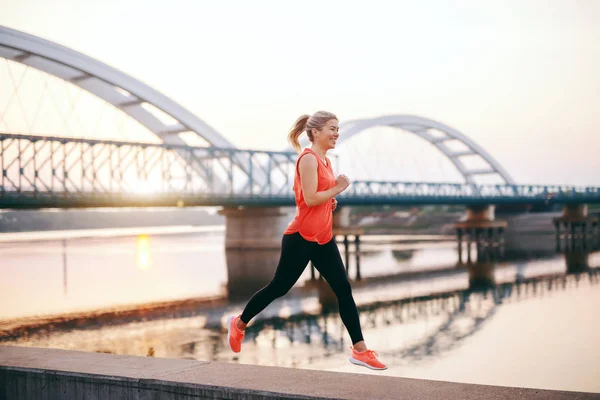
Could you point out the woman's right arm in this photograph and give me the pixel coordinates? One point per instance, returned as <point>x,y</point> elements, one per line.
<point>309,179</point>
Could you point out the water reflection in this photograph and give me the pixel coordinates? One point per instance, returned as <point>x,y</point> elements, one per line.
<point>248,271</point>
<point>450,318</point>
<point>403,255</point>
<point>491,282</point>
<point>143,252</point>
<point>64,258</point>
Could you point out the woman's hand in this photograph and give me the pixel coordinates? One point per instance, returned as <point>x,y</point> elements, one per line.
<point>342,182</point>
<point>334,204</point>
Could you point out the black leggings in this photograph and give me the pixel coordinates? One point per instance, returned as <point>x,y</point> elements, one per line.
<point>295,254</point>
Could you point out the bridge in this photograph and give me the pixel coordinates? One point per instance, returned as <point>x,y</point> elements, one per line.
<point>39,171</point>
<point>182,161</point>
<point>54,171</point>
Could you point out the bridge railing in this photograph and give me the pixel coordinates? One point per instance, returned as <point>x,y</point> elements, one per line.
<point>470,191</point>
<point>60,171</point>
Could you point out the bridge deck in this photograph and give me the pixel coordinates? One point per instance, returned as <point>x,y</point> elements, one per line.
<point>42,172</point>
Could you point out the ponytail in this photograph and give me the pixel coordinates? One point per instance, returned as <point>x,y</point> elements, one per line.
<point>307,123</point>
<point>296,131</point>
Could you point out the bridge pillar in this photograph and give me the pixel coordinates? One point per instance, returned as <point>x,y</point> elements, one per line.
<point>341,217</point>
<point>342,227</point>
<point>254,227</point>
<point>480,227</point>
<point>252,247</point>
<point>480,213</point>
<point>578,228</point>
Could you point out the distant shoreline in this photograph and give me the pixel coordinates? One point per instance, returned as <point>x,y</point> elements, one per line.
<point>14,221</point>
<point>13,237</point>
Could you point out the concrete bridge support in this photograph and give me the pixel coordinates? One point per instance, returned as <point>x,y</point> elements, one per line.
<point>252,247</point>
<point>480,229</point>
<point>576,230</point>
<point>342,227</point>
<point>255,227</point>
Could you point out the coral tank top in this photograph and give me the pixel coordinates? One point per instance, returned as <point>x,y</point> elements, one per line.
<point>314,223</point>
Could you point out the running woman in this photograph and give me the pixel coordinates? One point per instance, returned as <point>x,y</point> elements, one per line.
<point>309,237</point>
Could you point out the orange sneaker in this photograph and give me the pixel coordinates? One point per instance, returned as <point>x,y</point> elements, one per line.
<point>367,358</point>
<point>235,337</point>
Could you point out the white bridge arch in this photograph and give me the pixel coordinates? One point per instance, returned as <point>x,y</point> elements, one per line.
<point>115,87</point>
<point>421,127</point>
<point>122,91</point>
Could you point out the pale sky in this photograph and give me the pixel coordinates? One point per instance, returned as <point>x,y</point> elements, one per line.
<point>521,78</point>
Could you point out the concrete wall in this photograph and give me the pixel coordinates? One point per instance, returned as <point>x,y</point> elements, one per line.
<point>34,373</point>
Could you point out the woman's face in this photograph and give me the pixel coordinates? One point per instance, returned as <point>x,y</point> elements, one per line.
<point>327,136</point>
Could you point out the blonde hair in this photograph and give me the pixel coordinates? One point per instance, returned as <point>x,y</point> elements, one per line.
<point>308,123</point>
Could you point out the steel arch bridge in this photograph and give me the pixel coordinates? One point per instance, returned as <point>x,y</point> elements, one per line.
<point>66,172</point>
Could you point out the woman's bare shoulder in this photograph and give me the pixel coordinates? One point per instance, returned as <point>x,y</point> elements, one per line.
<point>308,160</point>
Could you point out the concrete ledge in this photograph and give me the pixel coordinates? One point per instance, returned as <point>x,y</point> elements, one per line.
<point>33,373</point>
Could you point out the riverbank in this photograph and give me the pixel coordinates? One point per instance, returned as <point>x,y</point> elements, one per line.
<point>87,219</point>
